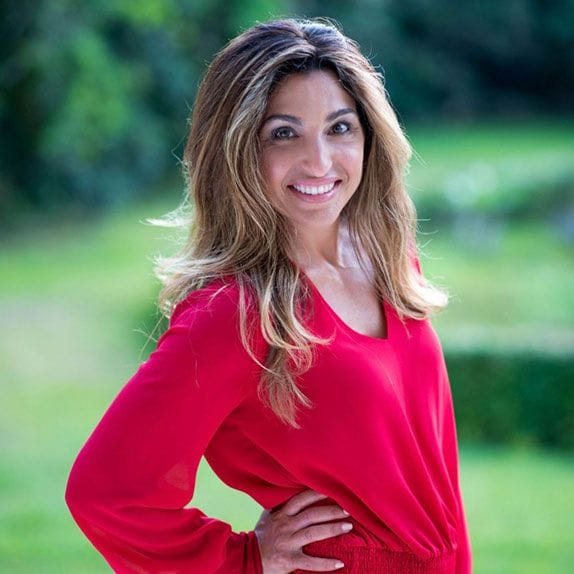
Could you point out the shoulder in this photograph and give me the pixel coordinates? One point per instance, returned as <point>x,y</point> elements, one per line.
<point>220,298</point>
<point>211,315</point>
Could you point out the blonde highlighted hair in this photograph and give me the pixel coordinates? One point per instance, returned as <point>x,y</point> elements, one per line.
<point>233,229</point>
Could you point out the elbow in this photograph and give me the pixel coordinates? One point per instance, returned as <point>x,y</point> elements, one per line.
<point>80,494</point>
<point>75,495</point>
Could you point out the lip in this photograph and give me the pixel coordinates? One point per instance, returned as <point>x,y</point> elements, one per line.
<point>316,198</point>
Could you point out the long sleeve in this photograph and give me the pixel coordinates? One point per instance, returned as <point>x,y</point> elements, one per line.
<point>464,562</point>
<point>131,482</point>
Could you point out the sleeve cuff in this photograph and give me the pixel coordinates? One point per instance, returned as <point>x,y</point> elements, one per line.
<point>254,556</point>
<point>242,554</point>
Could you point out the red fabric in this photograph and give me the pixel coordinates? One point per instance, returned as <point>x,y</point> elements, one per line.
<point>381,442</point>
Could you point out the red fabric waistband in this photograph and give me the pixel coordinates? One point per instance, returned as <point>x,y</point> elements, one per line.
<point>363,553</point>
<point>378,560</point>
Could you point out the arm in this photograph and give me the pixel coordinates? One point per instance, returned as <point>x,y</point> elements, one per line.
<point>131,481</point>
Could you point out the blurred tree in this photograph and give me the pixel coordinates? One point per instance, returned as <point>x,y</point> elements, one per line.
<point>452,59</point>
<point>94,95</point>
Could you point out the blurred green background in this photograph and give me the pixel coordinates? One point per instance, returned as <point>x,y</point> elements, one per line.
<point>94,100</point>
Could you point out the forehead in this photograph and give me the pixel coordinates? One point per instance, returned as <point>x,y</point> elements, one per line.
<point>319,87</point>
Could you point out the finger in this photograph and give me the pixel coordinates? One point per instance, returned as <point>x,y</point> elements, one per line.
<point>296,503</point>
<point>317,514</point>
<point>319,532</point>
<point>313,564</point>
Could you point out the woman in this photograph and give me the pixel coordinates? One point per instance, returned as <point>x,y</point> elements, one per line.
<point>299,358</point>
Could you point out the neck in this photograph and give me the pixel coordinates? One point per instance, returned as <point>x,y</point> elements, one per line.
<point>321,247</point>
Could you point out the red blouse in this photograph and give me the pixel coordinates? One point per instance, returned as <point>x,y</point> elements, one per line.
<point>380,441</point>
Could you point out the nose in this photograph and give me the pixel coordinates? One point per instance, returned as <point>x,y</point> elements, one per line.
<point>316,157</point>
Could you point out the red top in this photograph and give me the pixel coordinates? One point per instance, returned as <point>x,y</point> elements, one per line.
<point>381,442</point>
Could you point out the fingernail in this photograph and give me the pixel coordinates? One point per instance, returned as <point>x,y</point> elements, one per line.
<point>339,565</point>
<point>346,526</point>
<point>345,512</point>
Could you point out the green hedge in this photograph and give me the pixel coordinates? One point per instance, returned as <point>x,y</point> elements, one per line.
<point>513,397</point>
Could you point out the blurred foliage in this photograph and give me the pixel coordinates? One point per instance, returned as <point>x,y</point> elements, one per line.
<point>493,175</point>
<point>461,59</point>
<point>521,398</point>
<point>94,96</point>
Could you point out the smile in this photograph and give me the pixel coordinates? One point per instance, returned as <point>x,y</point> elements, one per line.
<point>315,190</point>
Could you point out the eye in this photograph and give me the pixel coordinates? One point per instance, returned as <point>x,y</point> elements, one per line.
<point>282,133</point>
<point>341,128</point>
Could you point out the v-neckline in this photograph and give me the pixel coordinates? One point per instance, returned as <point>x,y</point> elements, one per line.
<point>385,308</point>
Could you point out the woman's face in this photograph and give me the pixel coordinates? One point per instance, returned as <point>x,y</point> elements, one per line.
<point>312,149</point>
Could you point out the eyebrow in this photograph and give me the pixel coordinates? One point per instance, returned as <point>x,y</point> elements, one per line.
<point>295,120</point>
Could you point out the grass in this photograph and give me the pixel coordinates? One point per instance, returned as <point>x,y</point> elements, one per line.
<point>529,147</point>
<point>515,294</point>
<point>519,506</point>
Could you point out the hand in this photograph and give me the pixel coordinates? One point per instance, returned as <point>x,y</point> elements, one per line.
<point>283,533</point>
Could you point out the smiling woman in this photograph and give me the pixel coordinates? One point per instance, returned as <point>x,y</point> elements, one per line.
<point>299,286</point>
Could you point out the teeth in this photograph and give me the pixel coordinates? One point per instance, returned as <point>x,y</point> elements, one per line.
<point>315,190</point>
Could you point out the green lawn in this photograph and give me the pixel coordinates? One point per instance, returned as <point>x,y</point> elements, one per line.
<point>520,506</point>
<point>517,294</point>
<point>453,146</point>
<point>502,155</point>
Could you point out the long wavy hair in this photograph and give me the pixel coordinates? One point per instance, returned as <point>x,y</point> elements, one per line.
<point>231,227</point>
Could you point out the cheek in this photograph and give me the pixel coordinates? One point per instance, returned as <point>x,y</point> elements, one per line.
<point>274,170</point>
<point>353,161</point>
<point>272,178</point>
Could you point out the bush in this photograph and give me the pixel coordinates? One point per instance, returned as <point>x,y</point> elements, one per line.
<point>517,397</point>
